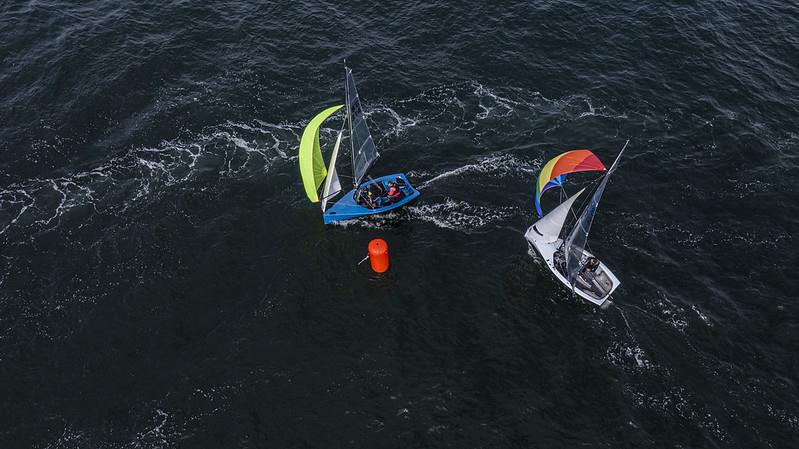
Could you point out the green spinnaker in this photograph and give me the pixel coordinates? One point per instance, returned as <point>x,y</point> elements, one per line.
<point>312,165</point>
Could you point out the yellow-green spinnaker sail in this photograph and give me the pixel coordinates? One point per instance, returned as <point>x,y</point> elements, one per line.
<point>312,165</point>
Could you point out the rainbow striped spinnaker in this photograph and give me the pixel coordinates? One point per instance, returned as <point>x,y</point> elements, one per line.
<point>555,171</point>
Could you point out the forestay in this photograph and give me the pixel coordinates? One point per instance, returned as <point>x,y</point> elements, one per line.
<point>364,152</point>
<point>574,248</point>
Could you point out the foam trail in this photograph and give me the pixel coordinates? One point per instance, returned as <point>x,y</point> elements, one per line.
<point>460,215</point>
<point>499,164</point>
<point>464,106</point>
<point>451,214</point>
<point>234,149</point>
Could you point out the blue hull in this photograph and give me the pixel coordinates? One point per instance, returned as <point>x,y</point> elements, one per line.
<point>346,208</point>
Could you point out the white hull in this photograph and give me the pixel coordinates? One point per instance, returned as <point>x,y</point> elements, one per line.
<point>547,252</point>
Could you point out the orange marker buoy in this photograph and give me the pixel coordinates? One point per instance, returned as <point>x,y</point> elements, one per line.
<point>378,255</point>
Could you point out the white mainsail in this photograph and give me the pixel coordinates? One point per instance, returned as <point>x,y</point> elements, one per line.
<point>364,152</point>
<point>548,228</point>
<point>332,184</point>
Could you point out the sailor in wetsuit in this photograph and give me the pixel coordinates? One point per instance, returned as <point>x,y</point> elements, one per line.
<point>359,198</point>
<point>377,189</point>
<point>377,192</point>
<point>366,198</point>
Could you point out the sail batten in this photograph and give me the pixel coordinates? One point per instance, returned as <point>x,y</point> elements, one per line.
<point>364,152</point>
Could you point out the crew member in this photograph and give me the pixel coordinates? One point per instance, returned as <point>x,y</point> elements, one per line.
<point>370,199</point>
<point>590,265</point>
<point>394,193</point>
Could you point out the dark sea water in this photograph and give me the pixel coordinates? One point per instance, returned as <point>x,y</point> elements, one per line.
<point>164,282</point>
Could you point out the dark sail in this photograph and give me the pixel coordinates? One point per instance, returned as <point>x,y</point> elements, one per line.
<point>574,247</point>
<point>364,151</point>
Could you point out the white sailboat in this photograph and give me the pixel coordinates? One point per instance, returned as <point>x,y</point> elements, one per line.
<point>563,245</point>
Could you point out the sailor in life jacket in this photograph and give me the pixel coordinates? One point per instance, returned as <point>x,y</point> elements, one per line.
<point>394,193</point>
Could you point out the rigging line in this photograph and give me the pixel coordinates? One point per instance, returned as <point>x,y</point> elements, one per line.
<point>330,195</point>
<point>581,209</point>
<point>594,184</point>
<point>563,193</point>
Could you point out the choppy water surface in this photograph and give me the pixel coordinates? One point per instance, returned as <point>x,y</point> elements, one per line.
<point>165,283</point>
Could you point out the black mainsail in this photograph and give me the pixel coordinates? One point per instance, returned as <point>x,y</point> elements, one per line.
<point>364,152</point>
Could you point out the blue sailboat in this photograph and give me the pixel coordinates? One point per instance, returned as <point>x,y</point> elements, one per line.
<point>369,196</point>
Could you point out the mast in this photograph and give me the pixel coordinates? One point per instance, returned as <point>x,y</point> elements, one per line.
<point>349,121</point>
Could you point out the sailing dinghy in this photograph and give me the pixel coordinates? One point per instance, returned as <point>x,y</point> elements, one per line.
<point>562,240</point>
<point>368,196</point>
